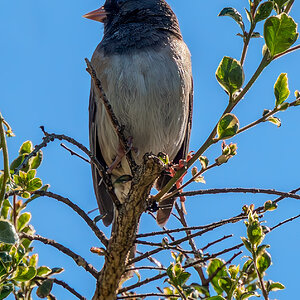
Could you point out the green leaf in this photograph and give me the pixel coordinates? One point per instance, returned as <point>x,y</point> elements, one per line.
<point>284,106</point>
<point>43,270</point>
<point>263,262</point>
<point>247,295</point>
<point>212,267</point>
<point>5,290</point>
<point>269,205</point>
<point>281,89</point>
<point>255,233</point>
<point>26,148</point>
<point>23,220</point>
<point>24,273</point>
<point>57,270</point>
<point>34,260</point>
<point>31,174</point>
<point>263,11</point>
<point>261,249</point>
<point>8,233</point>
<point>17,162</point>
<point>274,120</point>
<point>34,184</point>
<point>247,244</point>
<point>234,14</point>
<point>5,257</point>
<point>280,33</point>
<point>36,161</point>
<point>216,298</point>
<point>182,278</point>
<point>233,271</point>
<point>204,161</point>
<point>230,74</point>
<point>6,206</point>
<point>275,286</point>
<point>225,284</point>
<point>45,288</point>
<point>201,289</point>
<point>280,3</point>
<point>228,126</point>
<point>249,16</point>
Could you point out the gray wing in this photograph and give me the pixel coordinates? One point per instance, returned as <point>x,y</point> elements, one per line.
<point>166,206</point>
<point>104,200</point>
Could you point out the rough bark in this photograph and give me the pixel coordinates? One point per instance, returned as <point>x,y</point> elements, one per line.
<point>125,227</point>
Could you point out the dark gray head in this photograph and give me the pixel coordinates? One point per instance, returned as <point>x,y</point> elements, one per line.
<point>135,24</point>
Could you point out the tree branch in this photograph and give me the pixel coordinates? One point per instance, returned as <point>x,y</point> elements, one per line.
<point>77,258</point>
<point>240,190</point>
<point>101,236</point>
<point>117,126</point>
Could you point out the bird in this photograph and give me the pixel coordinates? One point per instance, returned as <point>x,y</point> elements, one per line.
<point>145,70</point>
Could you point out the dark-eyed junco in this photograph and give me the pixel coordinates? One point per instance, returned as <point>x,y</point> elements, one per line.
<point>145,70</point>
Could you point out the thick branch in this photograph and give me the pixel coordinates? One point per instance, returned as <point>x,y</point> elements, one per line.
<point>125,227</point>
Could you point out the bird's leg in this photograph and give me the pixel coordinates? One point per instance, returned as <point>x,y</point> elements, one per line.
<point>120,154</point>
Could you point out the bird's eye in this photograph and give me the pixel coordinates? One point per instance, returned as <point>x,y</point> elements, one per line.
<point>120,2</point>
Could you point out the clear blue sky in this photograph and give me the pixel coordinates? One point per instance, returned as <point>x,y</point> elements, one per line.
<point>43,82</point>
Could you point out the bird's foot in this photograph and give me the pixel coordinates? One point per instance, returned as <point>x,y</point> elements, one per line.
<point>120,154</point>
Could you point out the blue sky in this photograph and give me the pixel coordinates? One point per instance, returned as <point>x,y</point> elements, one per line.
<point>44,82</point>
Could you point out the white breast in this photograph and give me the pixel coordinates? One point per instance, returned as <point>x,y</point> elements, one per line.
<point>149,92</point>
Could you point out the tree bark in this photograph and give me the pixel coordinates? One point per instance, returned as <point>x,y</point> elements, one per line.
<point>125,227</point>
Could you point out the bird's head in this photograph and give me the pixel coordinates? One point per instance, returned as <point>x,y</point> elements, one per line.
<point>116,13</point>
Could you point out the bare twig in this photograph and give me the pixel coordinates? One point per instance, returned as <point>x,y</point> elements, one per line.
<point>241,190</point>
<point>64,285</point>
<point>285,221</point>
<point>101,236</point>
<point>212,225</point>
<point>217,241</point>
<point>80,261</point>
<point>148,295</point>
<point>117,126</point>
<point>74,153</point>
<point>70,289</point>
<point>191,242</point>
<point>101,169</point>
<point>287,51</point>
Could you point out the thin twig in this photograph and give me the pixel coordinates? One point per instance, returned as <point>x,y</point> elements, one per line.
<point>241,190</point>
<point>3,146</point>
<point>289,6</point>
<point>285,221</point>
<point>211,225</point>
<point>70,289</point>
<point>191,242</point>
<point>217,241</point>
<point>101,236</point>
<point>80,261</point>
<point>119,129</point>
<point>74,153</point>
<point>101,169</point>
<point>64,285</point>
<point>287,51</point>
<point>148,295</point>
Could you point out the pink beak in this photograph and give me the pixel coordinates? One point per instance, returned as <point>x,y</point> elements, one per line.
<point>99,14</point>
